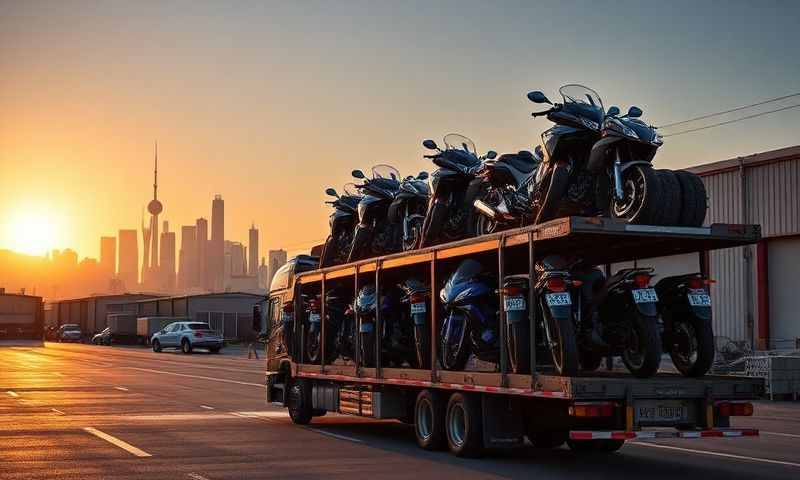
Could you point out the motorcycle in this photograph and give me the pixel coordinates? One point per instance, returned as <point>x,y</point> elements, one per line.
<point>470,323</point>
<point>335,308</point>
<point>504,201</point>
<point>407,211</point>
<point>417,295</point>
<point>453,189</point>
<point>628,310</point>
<point>374,235</point>
<point>685,308</point>
<point>395,335</point>
<point>342,224</point>
<point>596,162</point>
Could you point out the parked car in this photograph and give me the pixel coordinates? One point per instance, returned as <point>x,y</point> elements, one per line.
<point>69,332</point>
<point>103,338</point>
<point>187,336</point>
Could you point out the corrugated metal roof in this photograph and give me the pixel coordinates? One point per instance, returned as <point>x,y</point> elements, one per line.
<point>753,160</point>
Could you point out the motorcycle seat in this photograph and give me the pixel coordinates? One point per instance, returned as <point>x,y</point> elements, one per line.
<point>523,161</point>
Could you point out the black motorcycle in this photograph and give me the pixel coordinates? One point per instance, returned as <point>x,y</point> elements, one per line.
<point>395,335</point>
<point>596,162</point>
<point>343,222</point>
<point>416,295</point>
<point>685,308</point>
<point>374,235</point>
<point>454,187</point>
<point>628,309</point>
<point>470,323</point>
<point>504,199</point>
<point>407,211</point>
<point>335,307</point>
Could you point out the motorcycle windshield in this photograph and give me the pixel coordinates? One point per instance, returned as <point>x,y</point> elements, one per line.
<point>466,272</point>
<point>350,189</point>
<point>386,172</point>
<point>455,141</point>
<point>365,301</point>
<point>583,102</point>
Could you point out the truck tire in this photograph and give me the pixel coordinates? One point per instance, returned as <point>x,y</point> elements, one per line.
<point>429,415</point>
<point>643,356</point>
<point>700,335</point>
<point>464,425</point>
<point>602,446</point>
<point>299,402</point>
<point>693,199</point>
<point>670,208</point>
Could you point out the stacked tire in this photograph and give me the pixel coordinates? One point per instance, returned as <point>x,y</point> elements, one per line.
<point>682,199</point>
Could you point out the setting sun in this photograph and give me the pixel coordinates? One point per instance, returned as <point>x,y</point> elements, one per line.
<point>32,232</point>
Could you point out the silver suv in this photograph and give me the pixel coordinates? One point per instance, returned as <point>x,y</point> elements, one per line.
<point>187,336</point>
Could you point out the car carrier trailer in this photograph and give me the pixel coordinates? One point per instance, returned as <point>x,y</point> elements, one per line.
<point>473,410</point>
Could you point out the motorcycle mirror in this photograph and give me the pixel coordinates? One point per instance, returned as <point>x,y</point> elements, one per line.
<point>491,154</point>
<point>357,174</point>
<point>331,192</point>
<point>422,175</point>
<point>538,97</point>
<point>430,145</point>
<point>612,111</point>
<point>634,112</point>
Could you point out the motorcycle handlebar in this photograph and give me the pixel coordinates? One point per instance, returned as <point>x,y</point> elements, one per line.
<point>539,114</point>
<point>430,156</point>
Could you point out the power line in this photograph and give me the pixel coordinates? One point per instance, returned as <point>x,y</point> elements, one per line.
<point>702,117</point>
<point>732,121</point>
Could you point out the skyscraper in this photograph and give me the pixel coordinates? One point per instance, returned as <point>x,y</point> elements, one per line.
<point>201,234</point>
<point>129,259</point>
<point>187,258</point>
<point>108,257</point>
<point>252,265</point>
<point>216,250</point>
<point>150,273</point>
<point>166,267</point>
<point>237,260</point>
<point>277,259</point>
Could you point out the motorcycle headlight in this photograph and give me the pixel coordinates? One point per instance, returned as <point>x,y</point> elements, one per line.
<point>590,124</point>
<point>657,139</point>
<point>616,125</point>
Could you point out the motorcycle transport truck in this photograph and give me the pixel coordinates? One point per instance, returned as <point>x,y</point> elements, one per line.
<point>397,337</point>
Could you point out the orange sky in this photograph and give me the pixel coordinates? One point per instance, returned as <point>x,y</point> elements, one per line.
<point>268,104</point>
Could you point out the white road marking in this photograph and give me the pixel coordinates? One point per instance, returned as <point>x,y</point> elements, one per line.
<point>57,411</point>
<point>779,434</point>
<point>206,407</point>
<point>122,389</point>
<point>717,454</point>
<point>264,414</point>
<point>196,476</point>
<point>223,380</point>
<point>336,435</point>
<point>12,393</point>
<point>117,442</point>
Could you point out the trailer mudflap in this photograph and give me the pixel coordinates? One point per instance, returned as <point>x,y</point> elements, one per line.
<point>579,435</point>
<point>502,427</point>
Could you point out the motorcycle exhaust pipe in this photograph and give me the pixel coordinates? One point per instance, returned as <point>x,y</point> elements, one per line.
<point>485,209</point>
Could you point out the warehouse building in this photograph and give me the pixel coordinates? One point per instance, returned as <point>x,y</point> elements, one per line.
<point>21,317</point>
<point>230,313</point>
<point>88,312</point>
<point>753,297</point>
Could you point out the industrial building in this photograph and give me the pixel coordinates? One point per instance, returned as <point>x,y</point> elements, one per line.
<point>21,317</point>
<point>88,312</point>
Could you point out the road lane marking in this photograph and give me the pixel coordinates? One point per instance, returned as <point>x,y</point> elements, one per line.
<point>117,442</point>
<point>57,411</point>
<point>12,393</point>
<point>201,377</point>
<point>264,414</point>
<point>335,435</point>
<point>717,454</point>
<point>779,434</point>
<point>122,389</point>
<point>206,407</point>
<point>196,476</point>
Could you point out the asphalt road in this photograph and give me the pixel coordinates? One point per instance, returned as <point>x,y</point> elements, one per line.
<point>89,412</point>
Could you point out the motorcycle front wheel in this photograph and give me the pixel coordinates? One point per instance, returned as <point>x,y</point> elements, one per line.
<point>411,241</point>
<point>641,190</point>
<point>421,346</point>
<point>313,347</point>
<point>368,349</point>
<point>455,351</point>
<point>642,355</point>
<point>519,346</point>
<point>483,224</point>
<point>432,226</point>
<point>563,345</point>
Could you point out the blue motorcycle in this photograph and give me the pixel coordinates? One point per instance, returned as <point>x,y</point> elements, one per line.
<point>395,336</point>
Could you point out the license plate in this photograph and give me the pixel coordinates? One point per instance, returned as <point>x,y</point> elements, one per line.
<point>558,299</point>
<point>418,308</point>
<point>514,303</point>
<point>699,299</point>
<point>314,318</point>
<point>645,295</point>
<point>654,412</point>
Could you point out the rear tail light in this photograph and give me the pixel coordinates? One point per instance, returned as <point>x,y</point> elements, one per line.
<point>735,409</point>
<point>288,307</point>
<point>513,291</point>
<point>198,334</point>
<point>642,280</point>
<point>417,297</point>
<point>577,283</point>
<point>591,409</point>
<point>314,305</point>
<point>696,283</point>
<point>556,284</point>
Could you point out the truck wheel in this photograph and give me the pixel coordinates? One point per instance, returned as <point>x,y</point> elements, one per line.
<point>429,414</point>
<point>642,355</point>
<point>693,199</point>
<point>186,347</point>
<point>156,346</point>
<point>464,425</point>
<point>548,439</point>
<point>299,402</point>
<point>602,446</point>
<point>670,208</point>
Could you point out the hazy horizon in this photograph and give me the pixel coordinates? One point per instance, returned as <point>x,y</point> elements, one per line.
<point>268,104</point>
